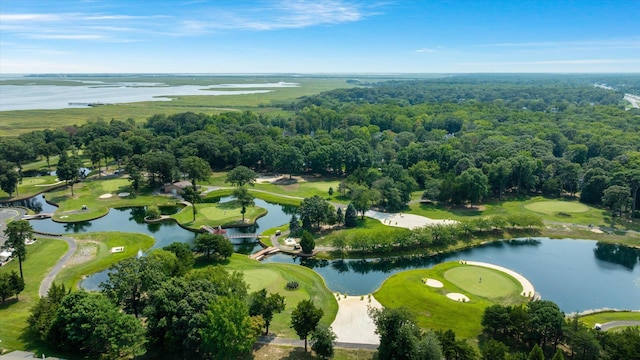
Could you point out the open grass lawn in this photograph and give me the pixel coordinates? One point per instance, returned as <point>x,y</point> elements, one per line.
<point>431,307</point>
<point>303,189</point>
<point>41,257</point>
<point>569,211</point>
<point>88,193</point>
<point>603,317</point>
<point>217,214</point>
<point>483,282</point>
<point>274,277</point>
<point>93,254</point>
<point>366,227</point>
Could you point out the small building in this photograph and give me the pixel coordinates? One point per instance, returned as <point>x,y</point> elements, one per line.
<point>5,255</point>
<point>176,187</point>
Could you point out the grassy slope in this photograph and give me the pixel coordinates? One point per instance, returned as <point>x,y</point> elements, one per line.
<point>603,317</point>
<point>432,308</point>
<point>274,277</point>
<point>102,242</point>
<point>41,257</point>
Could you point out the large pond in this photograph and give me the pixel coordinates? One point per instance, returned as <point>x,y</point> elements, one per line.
<point>576,274</point>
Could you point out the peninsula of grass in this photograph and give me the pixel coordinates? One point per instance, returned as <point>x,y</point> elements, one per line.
<point>41,257</point>
<point>434,310</point>
<point>30,186</point>
<point>227,214</point>
<point>93,194</point>
<point>92,254</point>
<point>274,277</point>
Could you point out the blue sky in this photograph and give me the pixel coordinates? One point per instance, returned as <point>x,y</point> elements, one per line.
<point>322,36</point>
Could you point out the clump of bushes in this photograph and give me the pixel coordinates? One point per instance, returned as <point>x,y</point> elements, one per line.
<point>153,212</point>
<point>292,285</point>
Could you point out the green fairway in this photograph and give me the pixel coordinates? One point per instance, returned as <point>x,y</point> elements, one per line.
<point>93,254</point>
<point>483,282</point>
<point>554,207</point>
<point>274,277</point>
<point>216,214</point>
<point>41,257</point>
<point>430,305</point>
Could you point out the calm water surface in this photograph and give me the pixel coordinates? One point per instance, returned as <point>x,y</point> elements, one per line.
<point>576,274</point>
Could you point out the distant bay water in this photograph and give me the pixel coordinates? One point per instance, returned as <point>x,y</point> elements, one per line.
<point>42,97</point>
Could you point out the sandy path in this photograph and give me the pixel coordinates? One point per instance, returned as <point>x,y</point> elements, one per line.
<point>353,324</point>
<point>527,287</point>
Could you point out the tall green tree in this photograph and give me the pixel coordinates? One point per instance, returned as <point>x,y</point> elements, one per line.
<point>213,244</point>
<point>266,305</point>
<point>350,216</point>
<point>196,169</point>
<point>322,339</point>
<point>473,184</point>
<point>305,318</point>
<point>9,178</point>
<point>68,169</point>
<point>314,212</point>
<point>192,195</point>
<point>399,335</point>
<point>289,160</point>
<point>228,332</point>
<point>87,323</point>
<point>307,243</point>
<point>245,198</point>
<point>17,232</point>
<point>130,282</point>
<point>240,176</point>
<point>616,197</point>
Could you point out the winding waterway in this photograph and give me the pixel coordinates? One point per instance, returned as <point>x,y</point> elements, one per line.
<point>576,274</point>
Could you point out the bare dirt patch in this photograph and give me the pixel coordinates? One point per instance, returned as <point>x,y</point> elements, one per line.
<point>86,251</point>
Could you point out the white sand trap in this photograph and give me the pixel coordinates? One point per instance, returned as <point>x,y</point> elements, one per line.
<point>352,323</point>
<point>123,194</point>
<point>434,283</point>
<point>458,297</point>
<point>597,231</point>
<point>407,221</point>
<point>105,196</point>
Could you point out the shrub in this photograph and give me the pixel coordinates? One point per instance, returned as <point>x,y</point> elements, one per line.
<point>292,285</point>
<point>153,212</point>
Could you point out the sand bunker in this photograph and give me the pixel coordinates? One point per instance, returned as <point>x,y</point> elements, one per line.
<point>458,297</point>
<point>353,324</point>
<point>434,283</point>
<point>105,196</point>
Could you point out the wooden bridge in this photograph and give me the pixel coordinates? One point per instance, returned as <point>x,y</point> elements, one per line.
<point>243,236</point>
<point>264,252</point>
<point>223,232</point>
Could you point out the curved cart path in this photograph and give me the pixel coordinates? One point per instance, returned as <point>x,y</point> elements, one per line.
<point>612,324</point>
<point>48,280</point>
<point>527,287</point>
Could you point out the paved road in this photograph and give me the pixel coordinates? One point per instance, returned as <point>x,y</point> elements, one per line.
<point>613,324</point>
<point>7,215</point>
<point>48,280</point>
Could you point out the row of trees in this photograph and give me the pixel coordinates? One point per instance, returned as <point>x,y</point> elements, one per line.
<point>433,237</point>
<point>543,326</point>
<point>457,149</point>
<point>160,306</point>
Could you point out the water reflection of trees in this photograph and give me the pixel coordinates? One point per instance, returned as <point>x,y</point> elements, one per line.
<point>617,254</point>
<point>77,227</point>
<point>136,214</point>
<point>386,265</point>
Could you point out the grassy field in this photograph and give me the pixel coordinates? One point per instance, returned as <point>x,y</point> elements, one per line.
<point>31,186</point>
<point>21,121</point>
<point>92,254</point>
<point>41,257</point>
<point>433,310</point>
<point>549,210</point>
<point>274,277</point>
<point>603,317</point>
<point>215,214</point>
<point>89,193</point>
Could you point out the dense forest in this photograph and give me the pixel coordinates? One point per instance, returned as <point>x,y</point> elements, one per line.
<point>459,139</point>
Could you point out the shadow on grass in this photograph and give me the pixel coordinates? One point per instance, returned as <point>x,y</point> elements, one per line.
<point>202,262</point>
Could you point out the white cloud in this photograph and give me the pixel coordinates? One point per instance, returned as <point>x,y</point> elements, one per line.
<point>425,50</point>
